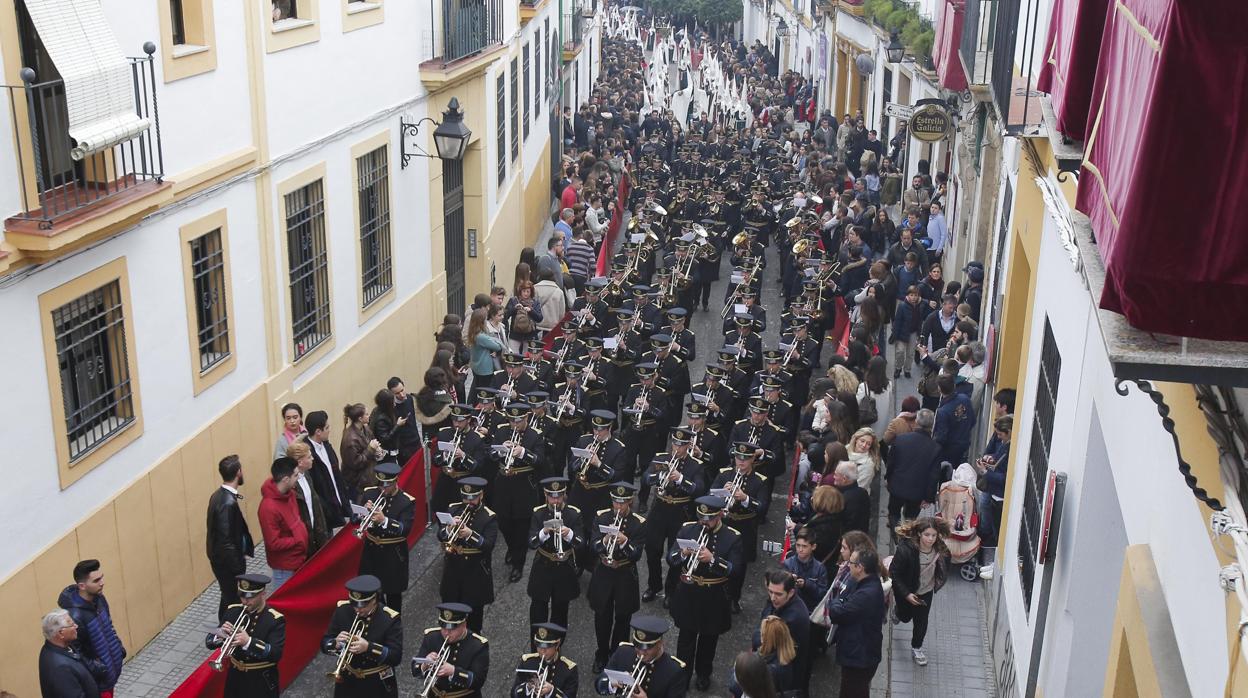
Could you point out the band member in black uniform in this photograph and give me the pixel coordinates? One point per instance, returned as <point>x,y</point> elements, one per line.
<point>590,311</point>
<point>737,379</point>
<point>256,635</point>
<point>451,656</point>
<point>748,499</point>
<point>716,399</point>
<point>555,533</point>
<point>385,533</point>
<point>645,419</point>
<point>648,315</point>
<point>677,479</point>
<point>749,300</point>
<point>568,407</point>
<point>748,343</point>
<point>627,347</point>
<point>686,273</point>
<point>614,589</point>
<point>596,375</point>
<point>565,348</point>
<point>673,375</point>
<point>773,360</point>
<point>489,418</point>
<point>366,639</point>
<point>545,672</point>
<point>684,343</point>
<point>783,416</point>
<point>518,454</point>
<point>706,446</point>
<point>512,380</point>
<point>757,429</point>
<point>468,542</point>
<point>701,607</point>
<point>541,422</point>
<point>460,453</point>
<point>644,657</point>
<point>801,359</point>
<point>589,476</point>
<point>540,368</point>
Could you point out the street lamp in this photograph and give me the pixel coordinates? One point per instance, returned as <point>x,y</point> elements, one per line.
<point>450,137</point>
<point>782,29</point>
<point>894,49</point>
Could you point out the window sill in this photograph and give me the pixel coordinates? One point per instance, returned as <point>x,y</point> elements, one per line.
<point>184,50</point>
<point>355,8</point>
<point>291,24</point>
<point>358,15</point>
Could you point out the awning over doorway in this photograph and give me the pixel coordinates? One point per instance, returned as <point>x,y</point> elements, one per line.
<point>1070,59</point>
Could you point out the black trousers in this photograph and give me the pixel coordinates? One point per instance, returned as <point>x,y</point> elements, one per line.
<point>546,609</point>
<point>856,681</point>
<point>736,580</point>
<point>476,619</point>
<point>698,651</point>
<point>229,588</point>
<point>393,601</point>
<point>516,533</point>
<point>918,614</point>
<point>610,629</point>
<point>898,507</point>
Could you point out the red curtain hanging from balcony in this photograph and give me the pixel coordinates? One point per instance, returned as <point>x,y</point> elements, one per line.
<point>1165,177</point>
<point>1070,60</point>
<point>948,38</point>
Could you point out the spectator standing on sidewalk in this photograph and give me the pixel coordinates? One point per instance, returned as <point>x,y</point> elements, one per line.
<point>858,614</point>
<point>229,541</point>
<point>285,536</point>
<point>63,671</point>
<point>580,257</point>
<point>918,572</point>
<point>97,638</point>
<point>913,469</point>
<point>292,428</point>
<point>571,195</point>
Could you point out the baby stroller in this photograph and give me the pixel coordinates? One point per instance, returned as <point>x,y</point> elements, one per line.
<point>956,505</point>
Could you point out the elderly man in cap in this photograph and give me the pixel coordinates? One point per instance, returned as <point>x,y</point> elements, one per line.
<point>644,658</point>
<point>545,672</point>
<point>451,656</point>
<point>468,538</point>
<point>461,451</point>
<point>555,532</point>
<point>366,638</point>
<point>389,520</point>
<point>255,634</point>
<point>706,553</point>
<point>518,455</point>
<point>619,536</point>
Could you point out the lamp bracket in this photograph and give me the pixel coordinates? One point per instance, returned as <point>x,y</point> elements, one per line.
<point>412,128</point>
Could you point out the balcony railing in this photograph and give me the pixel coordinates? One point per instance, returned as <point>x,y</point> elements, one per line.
<point>573,27</point>
<point>470,26</point>
<point>990,38</point>
<point>67,179</point>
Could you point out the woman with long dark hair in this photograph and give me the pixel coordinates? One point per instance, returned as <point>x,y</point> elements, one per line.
<point>358,449</point>
<point>483,345</point>
<point>918,572</point>
<point>433,401</point>
<point>752,676</point>
<point>384,421</point>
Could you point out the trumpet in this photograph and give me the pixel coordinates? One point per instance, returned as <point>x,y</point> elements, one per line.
<point>611,544</point>
<point>639,674</point>
<point>666,477</point>
<point>243,624</point>
<point>358,626</point>
<point>559,533</point>
<point>378,504</point>
<point>452,533</point>
<point>736,293</point>
<point>534,688</point>
<point>505,391</point>
<point>565,401</point>
<point>583,466</point>
<point>738,481</point>
<point>431,670</point>
<point>511,455</point>
<point>640,406</point>
<point>703,538</point>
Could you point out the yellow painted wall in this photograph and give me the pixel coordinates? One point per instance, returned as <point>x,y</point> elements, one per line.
<point>537,196</point>
<point>1143,653</point>
<point>150,538</point>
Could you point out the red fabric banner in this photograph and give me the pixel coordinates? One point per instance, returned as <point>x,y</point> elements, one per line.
<point>308,599</point>
<point>1070,58</point>
<point>613,229</point>
<point>948,39</point>
<point>1165,199</point>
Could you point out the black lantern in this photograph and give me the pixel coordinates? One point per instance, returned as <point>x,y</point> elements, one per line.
<point>894,49</point>
<point>782,29</point>
<point>450,138</point>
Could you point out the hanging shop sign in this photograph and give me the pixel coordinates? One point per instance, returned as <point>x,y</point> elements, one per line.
<point>930,121</point>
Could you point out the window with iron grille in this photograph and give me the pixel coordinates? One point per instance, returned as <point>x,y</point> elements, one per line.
<point>309,267</point>
<point>527,95</point>
<point>537,70</point>
<point>177,22</point>
<point>376,262</point>
<point>1037,475</point>
<point>211,317</point>
<point>515,108</point>
<point>95,372</point>
<point>502,128</point>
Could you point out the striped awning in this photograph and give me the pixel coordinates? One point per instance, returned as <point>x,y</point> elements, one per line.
<point>99,82</point>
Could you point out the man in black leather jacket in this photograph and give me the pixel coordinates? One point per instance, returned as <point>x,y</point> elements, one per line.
<point>229,541</point>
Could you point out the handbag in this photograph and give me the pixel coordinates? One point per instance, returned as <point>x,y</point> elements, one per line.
<point>522,324</point>
<point>819,616</point>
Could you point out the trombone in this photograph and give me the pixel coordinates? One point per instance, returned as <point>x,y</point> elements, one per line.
<point>242,624</point>
<point>431,670</point>
<point>358,626</point>
<point>452,532</point>
<point>378,504</point>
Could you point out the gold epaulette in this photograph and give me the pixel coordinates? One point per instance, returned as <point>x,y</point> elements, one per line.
<point>393,613</point>
<point>344,602</point>
<point>273,612</point>
<point>568,662</point>
<point>481,638</point>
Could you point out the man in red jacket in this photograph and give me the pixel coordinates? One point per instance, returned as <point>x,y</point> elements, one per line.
<point>285,536</point>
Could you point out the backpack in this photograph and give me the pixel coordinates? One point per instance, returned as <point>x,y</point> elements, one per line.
<point>867,413</point>
<point>522,324</point>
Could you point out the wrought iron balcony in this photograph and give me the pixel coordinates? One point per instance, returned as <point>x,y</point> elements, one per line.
<point>990,36</point>
<point>61,177</point>
<point>469,27</point>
